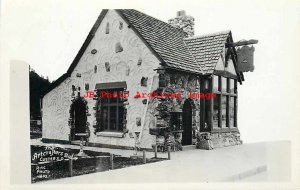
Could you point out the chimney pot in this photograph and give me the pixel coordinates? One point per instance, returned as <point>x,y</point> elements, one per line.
<point>181,13</point>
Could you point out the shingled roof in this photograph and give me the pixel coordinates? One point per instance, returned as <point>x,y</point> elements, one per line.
<point>207,49</point>
<point>198,54</point>
<point>170,44</point>
<point>167,41</point>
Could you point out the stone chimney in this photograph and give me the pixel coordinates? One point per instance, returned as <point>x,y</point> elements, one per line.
<point>184,22</point>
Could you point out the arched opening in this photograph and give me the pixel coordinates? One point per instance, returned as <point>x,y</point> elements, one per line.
<point>78,113</point>
<point>187,123</point>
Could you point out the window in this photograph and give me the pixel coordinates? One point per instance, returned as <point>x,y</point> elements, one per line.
<point>207,113</point>
<point>231,111</point>
<point>216,83</point>
<point>207,82</point>
<point>224,84</point>
<point>216,111</point>
<point>111,110</point>
<point>225,104</point>
<point>231,85</point>
<point>224,112</point>
<point>235,112</point>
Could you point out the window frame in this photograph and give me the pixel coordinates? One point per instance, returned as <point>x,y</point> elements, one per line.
<point>119,102</point>
<point>219,114</point>
<point>228,93</point>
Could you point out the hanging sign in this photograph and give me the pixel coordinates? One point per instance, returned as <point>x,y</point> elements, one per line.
<point>245,59</point>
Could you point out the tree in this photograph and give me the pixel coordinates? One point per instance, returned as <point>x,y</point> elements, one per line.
<point>38,86</point>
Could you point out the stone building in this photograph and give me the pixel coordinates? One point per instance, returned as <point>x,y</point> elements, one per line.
<point>129,52</point>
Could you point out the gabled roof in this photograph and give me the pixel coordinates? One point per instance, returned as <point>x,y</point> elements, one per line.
<point>167,41</point>
<point>169,44</point>
<point>207,49</point>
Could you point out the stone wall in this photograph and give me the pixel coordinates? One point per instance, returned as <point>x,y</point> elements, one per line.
<point>181,83</point>
<point>115,53</point>
<point>213,140</point>
<point>225,139</point>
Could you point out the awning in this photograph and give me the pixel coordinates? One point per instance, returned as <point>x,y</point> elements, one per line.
<point>111,85</point>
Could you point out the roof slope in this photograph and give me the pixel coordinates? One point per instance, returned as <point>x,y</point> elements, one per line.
<point>207,49</point>
<point>196,54</point>
<point>166,40</point>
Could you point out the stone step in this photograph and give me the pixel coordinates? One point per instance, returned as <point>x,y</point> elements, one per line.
<point>188,147</point>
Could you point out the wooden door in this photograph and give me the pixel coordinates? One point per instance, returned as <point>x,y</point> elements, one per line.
<point>187,123</point>
<point>79,111</point>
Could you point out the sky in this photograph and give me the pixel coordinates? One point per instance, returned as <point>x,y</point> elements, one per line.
<point>48,34</point>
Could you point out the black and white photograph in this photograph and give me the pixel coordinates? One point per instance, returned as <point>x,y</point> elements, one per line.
<point>150,94</point>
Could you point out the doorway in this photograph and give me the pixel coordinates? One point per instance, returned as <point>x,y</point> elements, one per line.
<point>187,123</point>
<point>78,112</point>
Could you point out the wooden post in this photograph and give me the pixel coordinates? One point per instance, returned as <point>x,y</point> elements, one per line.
<point>169,153</point>
<point>144,157</point>
<point>71,167</point>
<point>112,161</point>
<point>155,151</point>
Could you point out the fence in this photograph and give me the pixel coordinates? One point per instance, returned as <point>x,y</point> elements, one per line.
<point>83,165</point>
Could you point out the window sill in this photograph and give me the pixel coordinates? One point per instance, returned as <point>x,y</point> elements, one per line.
<point>225,129</point>
<point>116,134</point>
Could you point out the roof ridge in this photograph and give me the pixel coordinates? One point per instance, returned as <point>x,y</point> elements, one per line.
<point>173,27</point>
<point>167,39</point>
<point>208,35</point>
